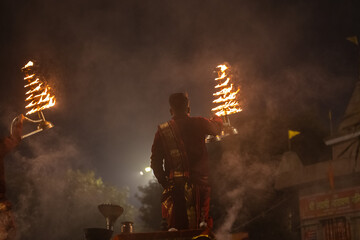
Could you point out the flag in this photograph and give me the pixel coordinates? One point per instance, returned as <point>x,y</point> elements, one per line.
<point>292,134</point>
<point>353,39</point>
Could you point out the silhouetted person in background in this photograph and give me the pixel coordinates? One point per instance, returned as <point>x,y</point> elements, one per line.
<point>7,226</point>
<point>180,163</point>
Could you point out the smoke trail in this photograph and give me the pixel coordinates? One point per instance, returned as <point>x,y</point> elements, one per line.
<point>224,231</point>
<point>246,176</point>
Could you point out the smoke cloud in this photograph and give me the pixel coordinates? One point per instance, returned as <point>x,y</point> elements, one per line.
<point>113,65</point>
<point>239,178</point>
<point>54,192</point>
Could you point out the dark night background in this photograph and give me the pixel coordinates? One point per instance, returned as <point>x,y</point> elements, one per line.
<point>112,65</point>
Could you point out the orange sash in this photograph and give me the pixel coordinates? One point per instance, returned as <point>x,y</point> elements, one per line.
<point>176,156</point>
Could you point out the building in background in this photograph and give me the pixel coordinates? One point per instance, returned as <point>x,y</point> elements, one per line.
<point>329,191</point>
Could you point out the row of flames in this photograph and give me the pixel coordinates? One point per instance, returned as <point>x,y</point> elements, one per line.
<point>38,93</point>
<point>226,95</point>
<point>39,97</point>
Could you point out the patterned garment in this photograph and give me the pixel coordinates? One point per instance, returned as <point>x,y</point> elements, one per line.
<point>7,225</point>
<point>180,163</point>
<point>179,206</point>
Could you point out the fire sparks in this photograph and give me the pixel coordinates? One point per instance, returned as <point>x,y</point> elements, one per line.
<point>38,94</point>
<point>226,95</point>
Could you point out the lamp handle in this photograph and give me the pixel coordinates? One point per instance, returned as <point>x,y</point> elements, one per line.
<point>31,133</point>
<point>30,120</point>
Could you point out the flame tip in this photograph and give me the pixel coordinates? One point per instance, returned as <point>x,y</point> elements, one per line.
<point>29,64</point>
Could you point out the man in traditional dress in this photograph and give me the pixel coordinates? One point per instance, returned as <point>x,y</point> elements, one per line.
<point>7,226</point>
<point>180,163</point>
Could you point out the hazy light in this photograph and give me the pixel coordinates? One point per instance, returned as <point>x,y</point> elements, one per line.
<point>147,169</point>
<point>141,173</point>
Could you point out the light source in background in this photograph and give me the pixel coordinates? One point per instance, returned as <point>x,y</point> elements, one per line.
<point>146,175</point>
<point>38,98</point>
<point>225,100</point>
<point>146,170</point>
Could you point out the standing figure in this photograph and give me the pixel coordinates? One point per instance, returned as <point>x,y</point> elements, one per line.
<point>180,163</point>
<point>7,226</point>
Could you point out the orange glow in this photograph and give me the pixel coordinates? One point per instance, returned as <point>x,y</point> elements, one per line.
<point>32,83</point>
<point>222,67</point>
<point>221,77</point>
<point>29,64</point>
<point>226,94</point>
<point>223,84</point>
<point>38,94</point>
<point>224,91</point>
<point>34,90</point>
<point>28,77</point>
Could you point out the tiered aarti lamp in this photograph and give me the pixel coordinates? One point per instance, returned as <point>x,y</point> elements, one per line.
<point>38,98</point>
<point>225,100</point>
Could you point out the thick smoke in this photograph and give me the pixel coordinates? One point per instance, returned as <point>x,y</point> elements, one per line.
<point>54,192</point>
<point>238,177</point>
<point>119,60</point>
<point>114,63</point>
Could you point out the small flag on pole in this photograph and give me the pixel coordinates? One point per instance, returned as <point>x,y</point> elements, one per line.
<point>292,134</point>
<point>353,39</point>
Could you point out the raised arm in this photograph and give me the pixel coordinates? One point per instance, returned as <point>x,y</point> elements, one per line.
<point>213,125</point>
<point>9,143</point>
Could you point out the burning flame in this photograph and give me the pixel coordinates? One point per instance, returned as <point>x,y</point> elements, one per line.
<point>226,95</point>
<point>38,94</point>
<point>29,64</point>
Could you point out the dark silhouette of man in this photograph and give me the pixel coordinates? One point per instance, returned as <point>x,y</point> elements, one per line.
<point>180,163</point>
<point>7,226</point>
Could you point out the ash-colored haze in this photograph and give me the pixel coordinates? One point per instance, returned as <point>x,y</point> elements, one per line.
<point>114,63</point>
<point>54,196</point>
<point>237,177</point>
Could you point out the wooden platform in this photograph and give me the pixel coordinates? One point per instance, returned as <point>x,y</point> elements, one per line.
<point>178,235</point>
